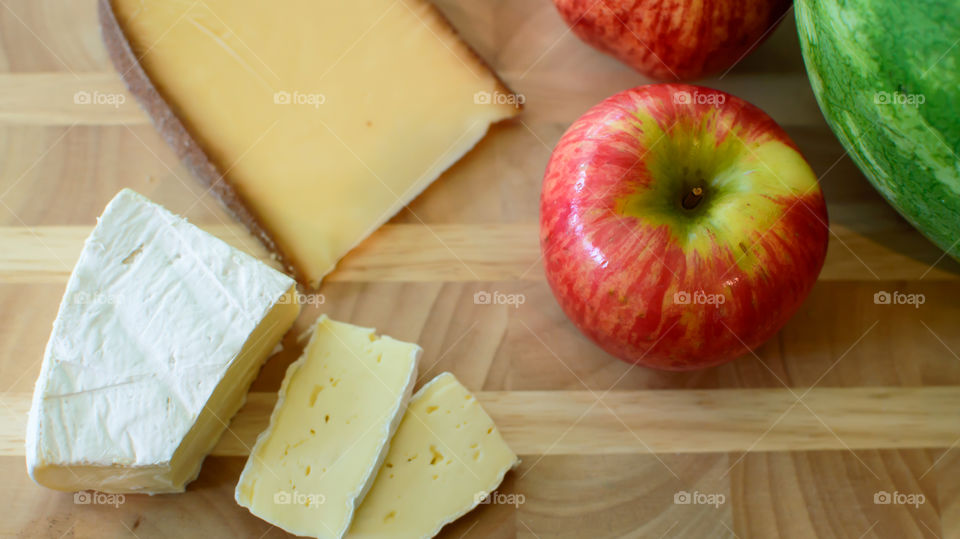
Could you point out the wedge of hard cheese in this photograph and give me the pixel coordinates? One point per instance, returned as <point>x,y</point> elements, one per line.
<point>160,332</point>
<point>314,120</point>
<point>338,407</point>
<point>446,457</point>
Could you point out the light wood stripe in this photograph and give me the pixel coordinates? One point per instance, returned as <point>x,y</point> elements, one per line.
<point>451,252</point>
<point>668,421</point>
<point>48,98</point>
<point>66,99</point>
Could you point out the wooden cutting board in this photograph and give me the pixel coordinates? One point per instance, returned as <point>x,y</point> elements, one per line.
<point>850,401</point>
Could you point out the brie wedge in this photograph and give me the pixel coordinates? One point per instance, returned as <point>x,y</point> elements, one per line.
<point>160,332</point>
<point>330,430</point>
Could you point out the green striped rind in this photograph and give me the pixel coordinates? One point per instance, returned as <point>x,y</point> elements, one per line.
<point>857,53</point>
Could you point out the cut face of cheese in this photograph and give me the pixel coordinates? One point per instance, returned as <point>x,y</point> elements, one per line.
<point>161,331</point>
<point>327,116</point>
<point>339,405</point>
<point>446,457</point>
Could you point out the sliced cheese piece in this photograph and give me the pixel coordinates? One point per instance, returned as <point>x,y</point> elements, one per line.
<point>326,116</point>
<point>161,331</point>
<point>446,457</point>
<point>338,407</point>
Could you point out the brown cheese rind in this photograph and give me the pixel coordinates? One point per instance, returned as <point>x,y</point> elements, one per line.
<point>189,150</point>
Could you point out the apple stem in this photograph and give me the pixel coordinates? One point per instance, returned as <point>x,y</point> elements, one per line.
<point>692,198</point>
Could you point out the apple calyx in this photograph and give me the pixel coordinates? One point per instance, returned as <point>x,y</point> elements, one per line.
<point>692,198</point>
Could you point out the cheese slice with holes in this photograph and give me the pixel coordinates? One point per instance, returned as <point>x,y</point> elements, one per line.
<point>338,407</point>
<point>160,332</point>
<point>445,459</point>
<point>326,116</point>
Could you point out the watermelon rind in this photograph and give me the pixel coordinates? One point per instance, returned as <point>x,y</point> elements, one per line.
<point>886,74</point>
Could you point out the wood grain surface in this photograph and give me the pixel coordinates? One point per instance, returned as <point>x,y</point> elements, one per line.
<point>853,404</point>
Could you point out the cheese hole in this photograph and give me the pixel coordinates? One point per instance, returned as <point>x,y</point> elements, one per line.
<point>432,409</point>
<point>390,515</point>
<point>391,476</point>
<point>473,445</point>
<point>307,471</point>
<point>437,456</point>
<point>476,455</point>
<point>379,358</point>
<point>313,395</point>
<point>435,477</point>
<point>326,418</point>
<point>313,432</point>
<point>490,430</point>
<point>373,338</point>
<point>389,465</point>
<point>411,459</point>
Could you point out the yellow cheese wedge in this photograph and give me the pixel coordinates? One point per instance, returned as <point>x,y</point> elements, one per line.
<point>339,405</point>
<point>326,116</point>
<point>446,457</point>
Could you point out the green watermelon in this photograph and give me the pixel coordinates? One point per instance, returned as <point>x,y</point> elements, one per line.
<point>886,74</point>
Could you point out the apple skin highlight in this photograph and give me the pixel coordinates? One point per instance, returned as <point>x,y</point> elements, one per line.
<point>659,284</point>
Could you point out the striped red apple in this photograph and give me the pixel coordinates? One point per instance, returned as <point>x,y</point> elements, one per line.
<point>680,226</point>
<point>674,40</point>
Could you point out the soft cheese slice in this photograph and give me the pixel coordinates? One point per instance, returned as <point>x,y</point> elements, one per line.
<point>161,331</point>
<point>327,116</point>
<point>446,457</point>
<point>338,407</point>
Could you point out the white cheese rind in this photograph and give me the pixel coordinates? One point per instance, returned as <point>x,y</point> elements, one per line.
<point>371,393</point>
<point>155,313</point>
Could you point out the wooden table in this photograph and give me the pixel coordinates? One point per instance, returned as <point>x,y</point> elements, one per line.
<point>851,400</point>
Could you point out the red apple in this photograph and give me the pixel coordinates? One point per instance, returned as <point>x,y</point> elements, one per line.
<point>677,39</point>
<point>680,226</point>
